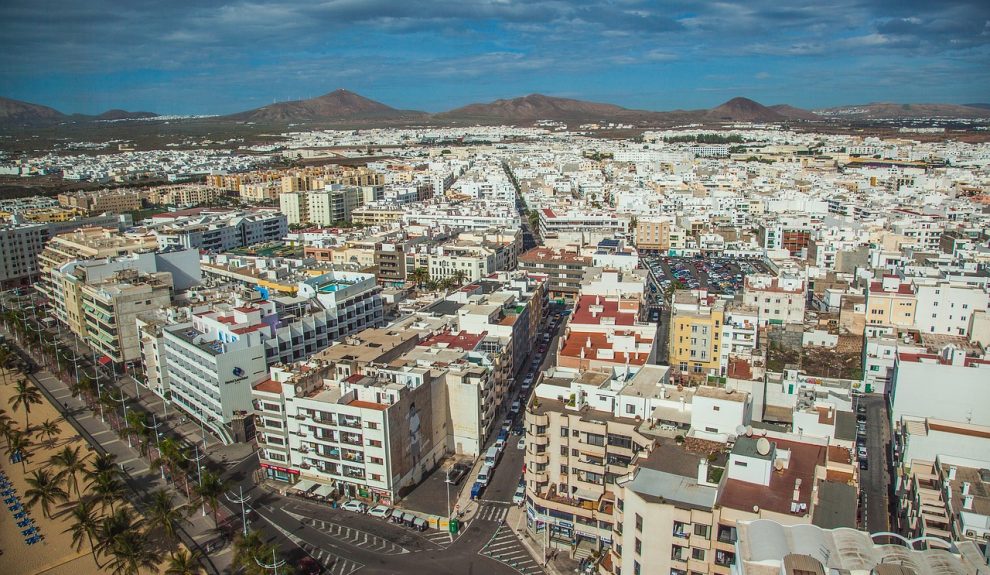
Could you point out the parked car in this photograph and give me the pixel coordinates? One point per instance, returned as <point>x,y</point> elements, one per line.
<point>457,473</point>
<point>521,444</point>
<point>380,511</point>
<point>515,407</point>
<point>355,506</point>
<point>500,444</point>
<point>476,490</point>
<point>863,464</point>
<point>861,452</point>
<point>519,497</point>
<point>485,475</point>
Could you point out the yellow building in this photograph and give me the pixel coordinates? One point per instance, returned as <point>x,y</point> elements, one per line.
<point>695,329</point>
<point>652,234</point>
<point>890,302</point>
<point>373,216</point>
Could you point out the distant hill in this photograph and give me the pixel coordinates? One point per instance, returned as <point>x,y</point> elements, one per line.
<point>337,105</point>
<point>124,115</point>
<point>887,110</point>
<point>794,113</point>
<point>16,112</point>
<point>984,106</point>
<point>537,107</point>
<point>744,110</point>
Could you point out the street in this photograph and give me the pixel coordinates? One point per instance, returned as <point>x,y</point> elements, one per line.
<point>875,481</point>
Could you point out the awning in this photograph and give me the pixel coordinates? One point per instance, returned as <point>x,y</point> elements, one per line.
<point>303,485</point>
<point>104,360</point>
<point>323,490</point>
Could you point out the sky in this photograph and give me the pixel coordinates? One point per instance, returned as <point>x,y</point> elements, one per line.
<point>218,57</point>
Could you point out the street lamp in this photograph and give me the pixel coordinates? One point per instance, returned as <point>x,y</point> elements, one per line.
<point>123,403</point>
<point>158,438</point>
<point>274,565</point>
<point>242,500</point>
<point>199,470</point>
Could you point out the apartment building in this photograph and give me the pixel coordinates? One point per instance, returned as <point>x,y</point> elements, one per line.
<point>564,271</point>
<point>220,232</point>
<point>376,215</point>
<point>185,195</point>
<point>695,345</point>
<point>946,306</point>
<point>365,436</point>
<point>335,203</point>
<point>464,261</point>
<point>891,301</point>
<point>110,307</point>
<point>581,226</point>
<point>102,201</point>
<point>653,234</point>
<point>779,300</point>
<point>957,380</point>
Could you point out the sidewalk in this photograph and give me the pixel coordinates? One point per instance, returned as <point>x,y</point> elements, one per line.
<point>563,564</point>
<point>200,527</point>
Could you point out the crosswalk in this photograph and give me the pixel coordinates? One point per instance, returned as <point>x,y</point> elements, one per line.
<point>333,564</point>
<point>355,537</point>
<point>505,547</point>
<point>492,512</point>
<point>440,538</point>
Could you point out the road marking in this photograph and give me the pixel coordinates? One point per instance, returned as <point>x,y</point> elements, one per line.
<point>354,537</point>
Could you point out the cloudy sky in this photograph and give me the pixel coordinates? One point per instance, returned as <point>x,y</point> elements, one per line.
<point>222,56</point>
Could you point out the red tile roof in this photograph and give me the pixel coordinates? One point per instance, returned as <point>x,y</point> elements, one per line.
<point>368,405</point>
<point>269,386</point>
<point>624,315</point>
<point>902,289</point>
<point>917,357</point>
<point>577,341</point>
<point>463,340</point>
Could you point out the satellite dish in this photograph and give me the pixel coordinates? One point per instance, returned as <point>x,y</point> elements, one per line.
<point>740,430</point>
<point>763,446</point>
<point>749,431</point>
<point>778,465</point>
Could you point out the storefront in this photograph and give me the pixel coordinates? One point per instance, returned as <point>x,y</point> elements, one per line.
<point>280,473</point>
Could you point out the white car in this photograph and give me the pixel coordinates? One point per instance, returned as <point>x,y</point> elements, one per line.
<point>515,407</point>
<point>519,497</point>
<point>355,506</point>
<point>485,475</point>
<point>500,444</point>
<point>380,511</point>
<point>522,443</point>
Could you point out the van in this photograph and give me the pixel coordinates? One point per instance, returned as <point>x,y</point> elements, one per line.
<point>485,475</point>
<point>492,455</point>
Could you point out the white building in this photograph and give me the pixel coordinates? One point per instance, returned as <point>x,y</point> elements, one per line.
<point>949,386</point>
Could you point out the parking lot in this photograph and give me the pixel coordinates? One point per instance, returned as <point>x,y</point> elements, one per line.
<point>718,275</point>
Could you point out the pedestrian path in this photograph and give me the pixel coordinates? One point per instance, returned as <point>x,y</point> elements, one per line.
<point>492,511</point>
<point>440,538</point>
<point>505,547</point>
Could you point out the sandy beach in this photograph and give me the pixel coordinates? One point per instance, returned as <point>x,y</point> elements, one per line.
<point>54,555</point>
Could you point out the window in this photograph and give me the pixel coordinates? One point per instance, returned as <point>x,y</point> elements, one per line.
<point>374,443</point>
<point>716,408</point>
<point>701,530</point>
<point>563,432</point>
<point>630,409</point>
<point>697,554</point>
<point>638,546</point>
<point>639,522</point>
<point>372,425</point>
<point>563,451</point>
<point>563,469</point>
<point>636,568</point>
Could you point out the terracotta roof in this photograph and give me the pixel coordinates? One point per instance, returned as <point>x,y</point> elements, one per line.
<point>269,386</point>
<point>579,340</point>
<point>462,340</point>
<point>778,496</point>
<point>610,308</point>
<point>902,289</point>
<point>249,329</point>
<point>368,405</point>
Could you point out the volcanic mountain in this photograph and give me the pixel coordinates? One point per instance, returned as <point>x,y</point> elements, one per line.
<point>744,110</point>
<point>16,112</point>
<point>536,107</point>
<point>337,105</point>
<point>888,110</point>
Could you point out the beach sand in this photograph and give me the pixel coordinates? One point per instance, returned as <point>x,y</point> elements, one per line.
<point>54,555</point>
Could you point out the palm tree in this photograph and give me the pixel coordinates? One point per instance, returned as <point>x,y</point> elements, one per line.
<point>459,277</point>
<point>132,552</point>
<point>420,276</point>
<point>164,515</point>
<point>25,394</point>
<point>44,489</point>
<point>7,425</point>
<point>113,526</point>
<point>210,490</point>
<point>184,563</point>
<point>84,524</point>
<point>50,429</point>
<point>70,464</point>
<point>106,487</point>
<point>248,550</point>
<point>102,462</point>
<point>19,442</point>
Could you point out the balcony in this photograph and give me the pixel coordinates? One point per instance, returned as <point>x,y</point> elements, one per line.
<point>681,531</point>
<point>724,558</point>
<point>354,422</point>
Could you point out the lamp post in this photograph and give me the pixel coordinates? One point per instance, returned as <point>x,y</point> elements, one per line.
<point>274,565</point>
<point>243,501</point>
<point>123,403</point>
<point>158,439</point>
<point>199,470</point>
<point>446,482</point>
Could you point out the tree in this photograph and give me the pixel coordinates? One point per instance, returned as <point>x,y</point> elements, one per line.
<point>138,425</point>
<point>163,514</point>
<point>19,442</point>
<point>248,550</point>
<point>50,429</point>
<point>211,489</point>
<point>45,489</point>
<point>84,525</point>
<point>113,526</point>
<point>70,464</point>
<point>133,552</point>
<point>7,426</point>
<point>107,488</point>
<point>184,563</point>
<point>420,276</point>
<point>24,396</point>
<point>459,277</point>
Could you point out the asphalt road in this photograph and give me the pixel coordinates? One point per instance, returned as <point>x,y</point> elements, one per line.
<point>346,542</point>
<point>875,481</point>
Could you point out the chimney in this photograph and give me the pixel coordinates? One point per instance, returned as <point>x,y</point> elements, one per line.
<point>952,472</point>
<point>968,502</point>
